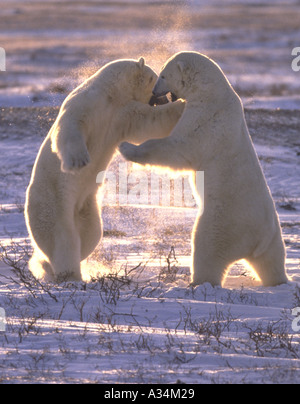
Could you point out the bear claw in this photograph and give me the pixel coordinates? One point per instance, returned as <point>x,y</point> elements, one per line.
<point>76,162</point>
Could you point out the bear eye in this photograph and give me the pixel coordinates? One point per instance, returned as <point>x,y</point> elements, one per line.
<point>163,77</point>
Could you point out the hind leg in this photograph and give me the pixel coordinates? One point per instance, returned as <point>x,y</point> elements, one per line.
<point>40,267</point>
<point>89,224</point>
<point>62,262</point>
<point>270,266</point>
<point>51,225</point>
<point>210,255</point>
<point>66,256</point>
<point>40,219</point>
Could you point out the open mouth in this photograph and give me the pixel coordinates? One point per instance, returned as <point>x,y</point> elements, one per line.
<point>165,99</point>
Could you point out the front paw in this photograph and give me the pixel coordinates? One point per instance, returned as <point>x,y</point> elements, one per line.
<point>128,151</point>
<point>75,160</point>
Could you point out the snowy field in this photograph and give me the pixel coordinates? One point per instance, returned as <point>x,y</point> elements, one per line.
<point>135,319</point>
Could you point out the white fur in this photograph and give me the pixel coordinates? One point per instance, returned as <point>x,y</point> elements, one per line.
<point>62,214</point>
<point>239,220</point>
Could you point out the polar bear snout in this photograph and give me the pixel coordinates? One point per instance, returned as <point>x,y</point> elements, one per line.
<point>158,93</point>
<point>160,88</point>
<point>162,92</point>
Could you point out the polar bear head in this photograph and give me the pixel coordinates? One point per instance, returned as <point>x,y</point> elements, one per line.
<point>135,78</point>
<point>191,74</point>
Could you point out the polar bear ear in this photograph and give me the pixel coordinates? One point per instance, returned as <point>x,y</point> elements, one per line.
<point>181,66</point>
<point>141,63</point>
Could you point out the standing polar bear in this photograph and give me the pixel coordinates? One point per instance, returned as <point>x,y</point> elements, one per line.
<point>61,210</point>
<point>239,220</point>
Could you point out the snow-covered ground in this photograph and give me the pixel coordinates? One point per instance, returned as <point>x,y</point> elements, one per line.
<point>136,319</point>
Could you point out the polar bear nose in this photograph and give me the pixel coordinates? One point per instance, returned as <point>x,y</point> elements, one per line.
<point>158,93</point>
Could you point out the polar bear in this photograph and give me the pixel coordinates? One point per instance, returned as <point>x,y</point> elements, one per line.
<point>61,211</point>
<point>239,219</point>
